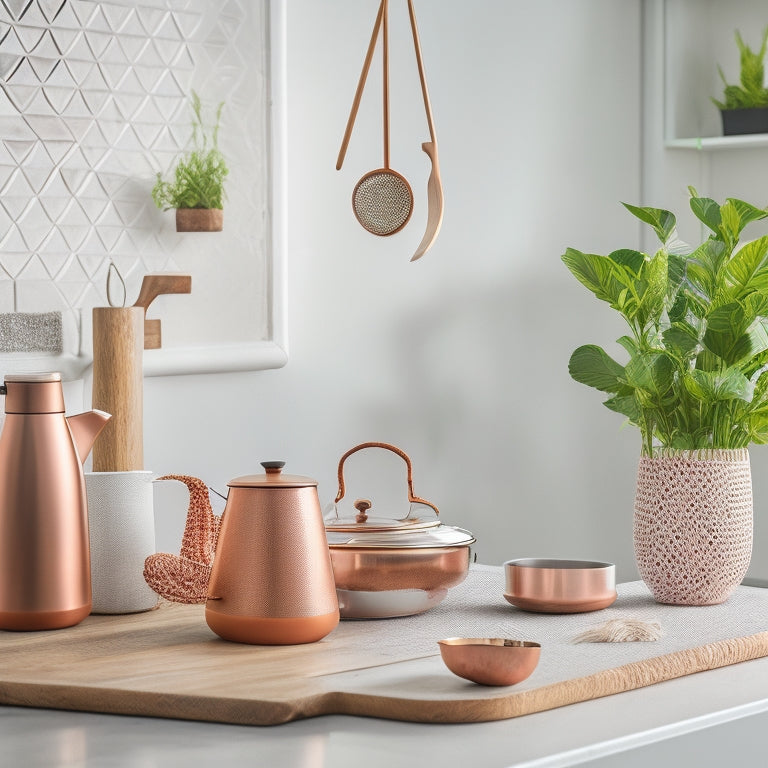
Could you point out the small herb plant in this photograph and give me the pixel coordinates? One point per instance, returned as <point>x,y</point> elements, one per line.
<point>752,91</point>
<point>198,180</point>
<point>698,347</point>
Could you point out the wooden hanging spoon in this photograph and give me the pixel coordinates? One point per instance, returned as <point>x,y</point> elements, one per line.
<point>434,184</point>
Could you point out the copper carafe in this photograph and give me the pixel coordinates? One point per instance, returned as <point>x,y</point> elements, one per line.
<point>45,576</point>
<point>272,581</point>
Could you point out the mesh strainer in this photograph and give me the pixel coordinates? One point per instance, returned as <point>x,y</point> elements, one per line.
<point>382,200</point>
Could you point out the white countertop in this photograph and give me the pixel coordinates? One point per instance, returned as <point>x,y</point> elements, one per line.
<point>712,718</point>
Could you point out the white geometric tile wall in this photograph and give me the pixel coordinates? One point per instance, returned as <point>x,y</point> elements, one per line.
<point>94,101</point>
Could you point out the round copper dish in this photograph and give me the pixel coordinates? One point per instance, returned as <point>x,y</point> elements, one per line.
<point>490,660</point>
<point>559,586</point>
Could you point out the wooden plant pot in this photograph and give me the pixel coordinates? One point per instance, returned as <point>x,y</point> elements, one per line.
<point>693,524</point>
<point>737,122</point>
<point>199,219</point>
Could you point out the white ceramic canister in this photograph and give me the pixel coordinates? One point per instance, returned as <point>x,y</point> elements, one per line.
<point>122,531</point>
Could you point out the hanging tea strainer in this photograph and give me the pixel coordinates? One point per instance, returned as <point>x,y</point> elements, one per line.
<point>382,200</point>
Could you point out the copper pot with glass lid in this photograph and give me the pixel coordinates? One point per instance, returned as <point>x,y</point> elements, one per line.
<point>387,566</point>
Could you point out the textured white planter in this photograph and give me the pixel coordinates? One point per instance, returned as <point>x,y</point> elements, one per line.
<point>122,527</point>
<point>693,525</point>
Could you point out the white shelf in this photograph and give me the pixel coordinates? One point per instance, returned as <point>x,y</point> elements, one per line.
<point>715,143</point>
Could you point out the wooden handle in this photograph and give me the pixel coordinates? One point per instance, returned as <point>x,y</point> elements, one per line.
<point>152,286</point>
<point>360,86</point>
<point>385,67</point>
<point>422,76</point>
<point>118,387</point>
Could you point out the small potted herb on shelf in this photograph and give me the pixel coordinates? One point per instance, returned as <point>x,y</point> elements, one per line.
<point>745,106</point>
<point>197,188</point>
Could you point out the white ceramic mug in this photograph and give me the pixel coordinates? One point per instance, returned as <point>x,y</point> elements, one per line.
<point>122,530</point>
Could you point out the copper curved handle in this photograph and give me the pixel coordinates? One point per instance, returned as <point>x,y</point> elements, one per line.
<point>402,454</point>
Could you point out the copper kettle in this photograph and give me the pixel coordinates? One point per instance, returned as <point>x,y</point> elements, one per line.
<point>45,576</point>
<point>272,581</point>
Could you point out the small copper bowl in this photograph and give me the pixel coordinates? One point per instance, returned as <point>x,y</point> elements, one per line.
<point>490,660</point>
<point>559,586</point>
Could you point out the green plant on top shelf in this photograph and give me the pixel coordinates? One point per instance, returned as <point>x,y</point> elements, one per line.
<point>752,91</point>
<point>198,179</point>
<point>697,374</point>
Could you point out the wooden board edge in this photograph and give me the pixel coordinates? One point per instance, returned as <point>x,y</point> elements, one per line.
<point>237,711</point>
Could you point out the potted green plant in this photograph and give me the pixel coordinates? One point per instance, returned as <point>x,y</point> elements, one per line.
<point>197,188</point>
<point>744,108</point>
<point>696,386</point>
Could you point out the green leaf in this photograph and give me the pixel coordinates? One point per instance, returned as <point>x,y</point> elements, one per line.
<point>746,265</point>
<point>598,273</point>
<point>682,339</point>
<point>629,344</point>
<point>652,291</point>
<point>626,405</point>
<point>757,426</point>
<point>663,222</point>
<point>676,265</point>
<point>747,212</point>
<point>592,366</point>
<point>707,211</point>
<point>730,225</point>
<point>652,372</point>
<point>626,257</point>
<point>725,327</point>
<point>716,386</point>
<point>703,268</point>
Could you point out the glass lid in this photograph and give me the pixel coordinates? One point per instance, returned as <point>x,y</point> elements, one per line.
<point>420,517</point>
<point>441,536</point>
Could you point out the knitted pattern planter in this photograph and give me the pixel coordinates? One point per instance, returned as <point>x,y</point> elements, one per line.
<point>693,524</point>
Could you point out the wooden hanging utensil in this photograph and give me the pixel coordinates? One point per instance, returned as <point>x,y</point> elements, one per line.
<point>382,200</point>
<point>434,184</point>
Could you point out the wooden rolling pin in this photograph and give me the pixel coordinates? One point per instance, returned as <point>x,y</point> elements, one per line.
<point>120,336</point>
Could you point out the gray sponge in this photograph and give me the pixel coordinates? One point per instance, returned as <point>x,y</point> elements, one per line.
<point>31,332</point>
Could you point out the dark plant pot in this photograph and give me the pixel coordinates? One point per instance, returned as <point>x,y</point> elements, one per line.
<point>740,121</point>
<point>199,219</point>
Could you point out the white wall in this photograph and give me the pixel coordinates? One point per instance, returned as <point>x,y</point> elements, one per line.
<point>460,358</point>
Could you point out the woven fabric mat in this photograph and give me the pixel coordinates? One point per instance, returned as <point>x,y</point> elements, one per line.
<point>477,608</point>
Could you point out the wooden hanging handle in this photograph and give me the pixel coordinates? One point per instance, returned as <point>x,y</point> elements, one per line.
<point>360,87</point>
<point>152,286</point>
<point>385,88</point>
<point>422,76</point>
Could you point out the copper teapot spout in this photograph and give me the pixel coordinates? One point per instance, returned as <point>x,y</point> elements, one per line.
<point>85,428</point>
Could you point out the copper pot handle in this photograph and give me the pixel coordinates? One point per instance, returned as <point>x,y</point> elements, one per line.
<point>402,454</point>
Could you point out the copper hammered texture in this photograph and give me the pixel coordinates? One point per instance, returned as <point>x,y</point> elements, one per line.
<point>272,558</point>
<point>693,525</point>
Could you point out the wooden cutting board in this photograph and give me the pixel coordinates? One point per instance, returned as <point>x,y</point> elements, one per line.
<point>167,663</point>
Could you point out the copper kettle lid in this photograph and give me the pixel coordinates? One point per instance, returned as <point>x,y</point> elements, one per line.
<point>421,517</point>
<point>274,478</point>
<point>429,538</point>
